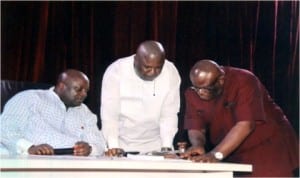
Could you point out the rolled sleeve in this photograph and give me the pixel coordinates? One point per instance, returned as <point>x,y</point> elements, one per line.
<point>192,117</point>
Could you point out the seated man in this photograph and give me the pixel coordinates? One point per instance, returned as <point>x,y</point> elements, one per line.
<point>37,121</point>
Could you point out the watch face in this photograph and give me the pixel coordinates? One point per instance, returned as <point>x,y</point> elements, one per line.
<point>219,155</point>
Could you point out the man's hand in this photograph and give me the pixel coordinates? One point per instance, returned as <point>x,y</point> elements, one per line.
<point>82,149</point>
<point>114,152</point>
<point>42,149</point>
<point>192,152</point>
<point>205,158</point>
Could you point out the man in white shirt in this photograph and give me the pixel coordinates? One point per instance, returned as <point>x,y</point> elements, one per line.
<point>38,121</point>
<point>140,101</point>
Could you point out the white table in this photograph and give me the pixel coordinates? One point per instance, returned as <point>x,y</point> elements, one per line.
<point>102,167</point>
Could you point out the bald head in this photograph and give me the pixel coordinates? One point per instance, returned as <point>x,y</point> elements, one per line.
<point>72,87</point>
<point>204,68</point>
<point>208,78</point>
<point>70,75</point>
<point>149,60</point>
<point>152,50</point>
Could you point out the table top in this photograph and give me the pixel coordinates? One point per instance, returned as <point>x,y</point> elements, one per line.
<point>135,162</point>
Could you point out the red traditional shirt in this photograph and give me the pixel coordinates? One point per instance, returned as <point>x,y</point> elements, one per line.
<point>244,98</point>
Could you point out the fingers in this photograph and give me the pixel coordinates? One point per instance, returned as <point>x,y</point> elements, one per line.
<point>170,156</point>
<point>192,152</point>
<point>82,149</point>
<point>43,149</point>
<point>114,152</point>
<point>207,158</point>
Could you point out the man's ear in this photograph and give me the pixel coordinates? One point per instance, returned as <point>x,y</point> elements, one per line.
<point>221,79</point>
<point>60,86</point>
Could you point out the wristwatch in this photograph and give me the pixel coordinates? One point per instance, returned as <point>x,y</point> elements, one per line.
<point>218,155</point>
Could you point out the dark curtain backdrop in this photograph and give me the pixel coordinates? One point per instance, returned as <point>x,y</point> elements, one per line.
<point>41,39</point>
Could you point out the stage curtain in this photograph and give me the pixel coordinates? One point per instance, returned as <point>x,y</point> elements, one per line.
<point>39,39</point>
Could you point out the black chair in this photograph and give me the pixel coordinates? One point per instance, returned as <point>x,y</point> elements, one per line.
<point>10,87</point>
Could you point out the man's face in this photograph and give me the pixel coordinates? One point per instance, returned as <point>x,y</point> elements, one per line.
<point>74,92</point>
<point>208,87</point>
<point>148,67</point>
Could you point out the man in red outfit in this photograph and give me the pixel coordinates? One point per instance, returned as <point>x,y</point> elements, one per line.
<point>233,109</point>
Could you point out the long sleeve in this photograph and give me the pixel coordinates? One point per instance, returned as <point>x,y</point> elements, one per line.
<point>110,98</point>
<point>170,109</point>
<point>39,117</point>
<point>13,123</point>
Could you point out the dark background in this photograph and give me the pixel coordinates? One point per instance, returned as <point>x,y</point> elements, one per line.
<point>41,39</point>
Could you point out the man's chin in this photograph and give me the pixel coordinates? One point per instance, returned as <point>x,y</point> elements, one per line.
<point>206,98</point>
<point>75,104</point>
<point>148,78</point>
<point>209,97</point>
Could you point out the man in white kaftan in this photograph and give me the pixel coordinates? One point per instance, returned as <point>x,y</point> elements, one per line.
<point>140,101</point>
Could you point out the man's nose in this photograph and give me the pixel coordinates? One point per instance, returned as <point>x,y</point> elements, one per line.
<point>153,72</point>
<point>83,93</point>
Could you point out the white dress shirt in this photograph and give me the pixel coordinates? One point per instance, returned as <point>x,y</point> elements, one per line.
<point>35,117</point>
<point>139,115</point>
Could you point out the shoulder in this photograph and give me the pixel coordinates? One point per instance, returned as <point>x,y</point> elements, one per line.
<point>121,62</point>
<point>170,68</point>
<point>235,70</point>
<point>238,74</point>
<point>170,65</point>
<point>26,98</point>
<point>118,65</point>
<point>240,80</point>
<point>32,93</point>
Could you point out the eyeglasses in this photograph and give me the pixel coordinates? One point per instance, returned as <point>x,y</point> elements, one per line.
<point>209,88</point>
